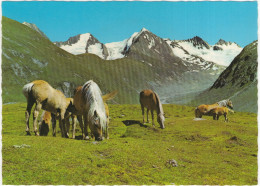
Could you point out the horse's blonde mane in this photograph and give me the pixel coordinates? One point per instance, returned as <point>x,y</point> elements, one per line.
<point>160,108</point>
<point>94,102</point>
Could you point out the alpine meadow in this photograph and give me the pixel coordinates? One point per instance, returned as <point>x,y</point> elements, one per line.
<point>146,110</point>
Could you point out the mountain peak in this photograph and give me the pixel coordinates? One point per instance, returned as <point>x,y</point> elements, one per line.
<point>34,27</point>
<point>198,42</point>
<point>144,29</point>
<point>223,42</point>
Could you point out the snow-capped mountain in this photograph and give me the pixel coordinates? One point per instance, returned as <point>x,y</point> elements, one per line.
<point>34,27</point>
<point>84,43</point>
<point>196,49</point>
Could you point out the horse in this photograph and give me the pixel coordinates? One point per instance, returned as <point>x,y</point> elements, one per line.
<point>205,109</point>
<point>45,97</point>
<point>88,103</point>
<point>219,111</point>
<point>47,118</point>
<point>151,101</point>
<point>45,123</point>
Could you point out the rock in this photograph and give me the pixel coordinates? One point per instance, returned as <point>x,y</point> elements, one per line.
<point>172,163</point>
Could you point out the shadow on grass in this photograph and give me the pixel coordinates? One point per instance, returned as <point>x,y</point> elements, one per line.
<point>133,122</point>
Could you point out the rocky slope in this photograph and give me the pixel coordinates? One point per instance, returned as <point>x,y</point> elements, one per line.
<point>34,27</point>
<point>237,82</point>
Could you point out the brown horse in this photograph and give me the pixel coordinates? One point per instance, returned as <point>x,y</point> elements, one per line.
<point>219,111</point>
<point>151,101</point>
<point>45,97</point>
<point>205,109</point>
<point>45,123</point>
<point>88,103</point>
<point>77,94</point>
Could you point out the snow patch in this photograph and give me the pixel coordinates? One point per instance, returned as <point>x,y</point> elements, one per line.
<point>79,47</point>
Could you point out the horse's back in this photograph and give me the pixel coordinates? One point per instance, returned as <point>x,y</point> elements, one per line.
<point>147,98</point>
<point>41,90</point>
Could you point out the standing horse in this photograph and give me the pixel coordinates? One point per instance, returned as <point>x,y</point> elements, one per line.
<point>151,101</point>
<point>45,97</point>
<point>219,111</point>
<point>88,103</point>
<point>205,109</point>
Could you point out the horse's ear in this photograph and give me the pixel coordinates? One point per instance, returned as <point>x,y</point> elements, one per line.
<point>95,113</point>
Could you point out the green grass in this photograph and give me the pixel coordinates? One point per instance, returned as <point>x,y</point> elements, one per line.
<point>207,152</point>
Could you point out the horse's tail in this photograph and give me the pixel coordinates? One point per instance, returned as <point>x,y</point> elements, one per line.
<point>109,96</point>
<point>27,89</point>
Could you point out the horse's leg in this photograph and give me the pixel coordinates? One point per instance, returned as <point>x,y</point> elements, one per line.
<point>142,107</point>
<point>73,117</point>
<point>63,123</point>
<point>53,121</point>
<point>147,115</point>
<point>27,115</point>
<point>217,116</point>
<point>81,126</point>
<point>35,116</point>
<point>226,119</point>
<point>67,120</point>
<point>152,118</point>
<point>86,127</point>
<point>214,116</point>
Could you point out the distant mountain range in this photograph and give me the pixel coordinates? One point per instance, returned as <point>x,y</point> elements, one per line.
<point>190,50</point>
<point>177,70</point>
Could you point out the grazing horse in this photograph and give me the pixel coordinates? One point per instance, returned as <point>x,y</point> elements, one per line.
<point>105,98</point>
<point>45,97</point>
<point>88,103</point>
<point>45,123</point>
<point>151,101</point>
<point>219,111</point>
<point>205,109</point>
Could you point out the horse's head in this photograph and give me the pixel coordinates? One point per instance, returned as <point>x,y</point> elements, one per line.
<point>160,120</point>
<point>44,128</point>
<point>96,127</point>
<point>229,104</point>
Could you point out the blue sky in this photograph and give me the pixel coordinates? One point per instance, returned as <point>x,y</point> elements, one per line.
<point>116,21</point>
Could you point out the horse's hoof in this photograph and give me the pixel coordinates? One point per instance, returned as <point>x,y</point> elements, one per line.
<point>28,133</point>
<point>37,134</point>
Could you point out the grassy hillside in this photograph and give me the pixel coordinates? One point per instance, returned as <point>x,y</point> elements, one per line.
<point>28,56</point>
<point>207,152</point>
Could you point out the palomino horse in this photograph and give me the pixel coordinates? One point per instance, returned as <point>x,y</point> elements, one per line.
<point>219,111</point>
<point>46,98</point>
<point>105,98</point>
<point>205,109</point>
<point>151,101</point>
<point>88,103</point>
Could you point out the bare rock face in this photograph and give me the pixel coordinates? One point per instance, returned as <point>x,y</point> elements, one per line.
<point>198,42</point>
<point>242,70</point>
